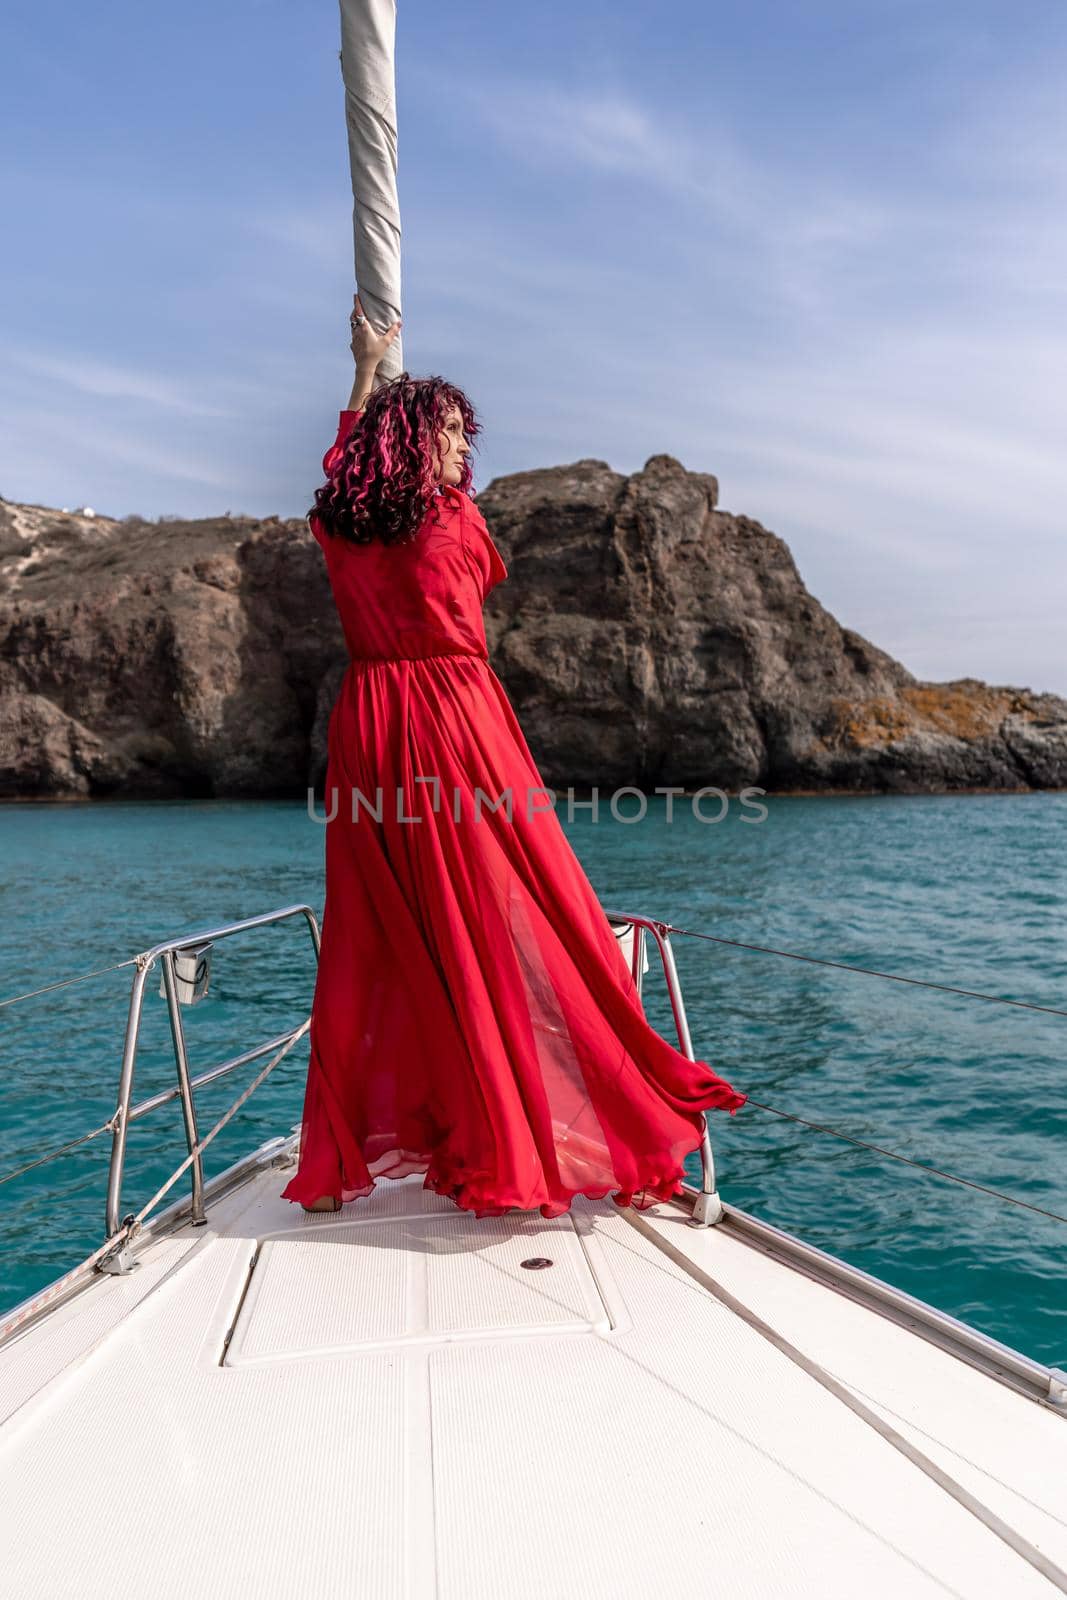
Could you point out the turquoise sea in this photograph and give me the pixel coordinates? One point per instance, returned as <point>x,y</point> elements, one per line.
<point>969,891</point>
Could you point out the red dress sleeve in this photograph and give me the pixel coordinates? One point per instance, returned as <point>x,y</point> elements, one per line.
<point>344,428</point>
<point>497,570</point>
<point>331,461</point>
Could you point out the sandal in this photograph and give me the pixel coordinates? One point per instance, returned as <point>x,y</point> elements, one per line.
<point>334,1204</point>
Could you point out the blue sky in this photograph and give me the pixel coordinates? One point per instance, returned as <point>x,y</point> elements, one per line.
<point>819,250</point>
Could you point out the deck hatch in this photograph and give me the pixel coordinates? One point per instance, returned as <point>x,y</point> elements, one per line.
<point>414,1279</point>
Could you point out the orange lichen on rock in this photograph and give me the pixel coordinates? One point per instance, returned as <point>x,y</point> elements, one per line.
<point>964,710</point>
<point>863,723</point>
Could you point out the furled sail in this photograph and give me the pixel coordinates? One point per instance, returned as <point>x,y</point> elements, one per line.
<point>368,52</point>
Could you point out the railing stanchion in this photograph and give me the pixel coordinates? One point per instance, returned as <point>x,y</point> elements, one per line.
<point>197,1215</point>
<point>112,1221</point>
<point>707,1208</point>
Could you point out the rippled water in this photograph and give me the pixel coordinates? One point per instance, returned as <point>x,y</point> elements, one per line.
<point>966,891</point>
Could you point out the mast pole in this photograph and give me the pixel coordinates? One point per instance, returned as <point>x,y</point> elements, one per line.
<point>368,70</point>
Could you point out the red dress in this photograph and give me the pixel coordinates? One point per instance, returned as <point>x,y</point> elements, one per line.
<point>473,1018</point>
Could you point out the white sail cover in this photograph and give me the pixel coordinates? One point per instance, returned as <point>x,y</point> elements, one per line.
<point>368,48</point>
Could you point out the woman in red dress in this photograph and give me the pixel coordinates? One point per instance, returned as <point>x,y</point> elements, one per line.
<point>473,1018</point>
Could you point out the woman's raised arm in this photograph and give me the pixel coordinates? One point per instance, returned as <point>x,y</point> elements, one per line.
<point>368,348</point>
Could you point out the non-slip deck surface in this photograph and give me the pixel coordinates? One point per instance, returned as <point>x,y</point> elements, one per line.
<point>403,1409</point>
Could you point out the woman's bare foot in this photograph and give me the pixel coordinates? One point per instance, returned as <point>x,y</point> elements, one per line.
<point>325,1202</point>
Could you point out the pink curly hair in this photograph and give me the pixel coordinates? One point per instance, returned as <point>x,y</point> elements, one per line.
<point>385,482</point>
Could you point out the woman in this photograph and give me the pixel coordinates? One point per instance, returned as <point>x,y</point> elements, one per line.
<point>473,1016</point>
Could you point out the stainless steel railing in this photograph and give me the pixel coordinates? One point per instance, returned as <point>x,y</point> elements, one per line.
<point>707,1208</point>
<point>125,1114</point>
<point>113,1255</point>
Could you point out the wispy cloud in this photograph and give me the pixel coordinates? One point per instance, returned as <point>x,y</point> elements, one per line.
<point>105,380</point>
<point>796,229</point>
<point>311,229</point>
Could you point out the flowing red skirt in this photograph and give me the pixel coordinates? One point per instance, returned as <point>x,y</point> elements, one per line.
<point>474,1018</point>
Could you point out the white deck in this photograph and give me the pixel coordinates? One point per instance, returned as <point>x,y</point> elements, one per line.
<point>404,1410</point>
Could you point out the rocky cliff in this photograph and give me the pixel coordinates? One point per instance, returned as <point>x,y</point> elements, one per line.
<point>644,636</point>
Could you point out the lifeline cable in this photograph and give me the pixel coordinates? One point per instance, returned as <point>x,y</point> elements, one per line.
<point>62,983</point>
<point>923,1166</point>
<point>870,972</point>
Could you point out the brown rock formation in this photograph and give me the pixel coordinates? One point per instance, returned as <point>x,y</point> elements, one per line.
<point>650,638</point>
<point>645,637</point>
